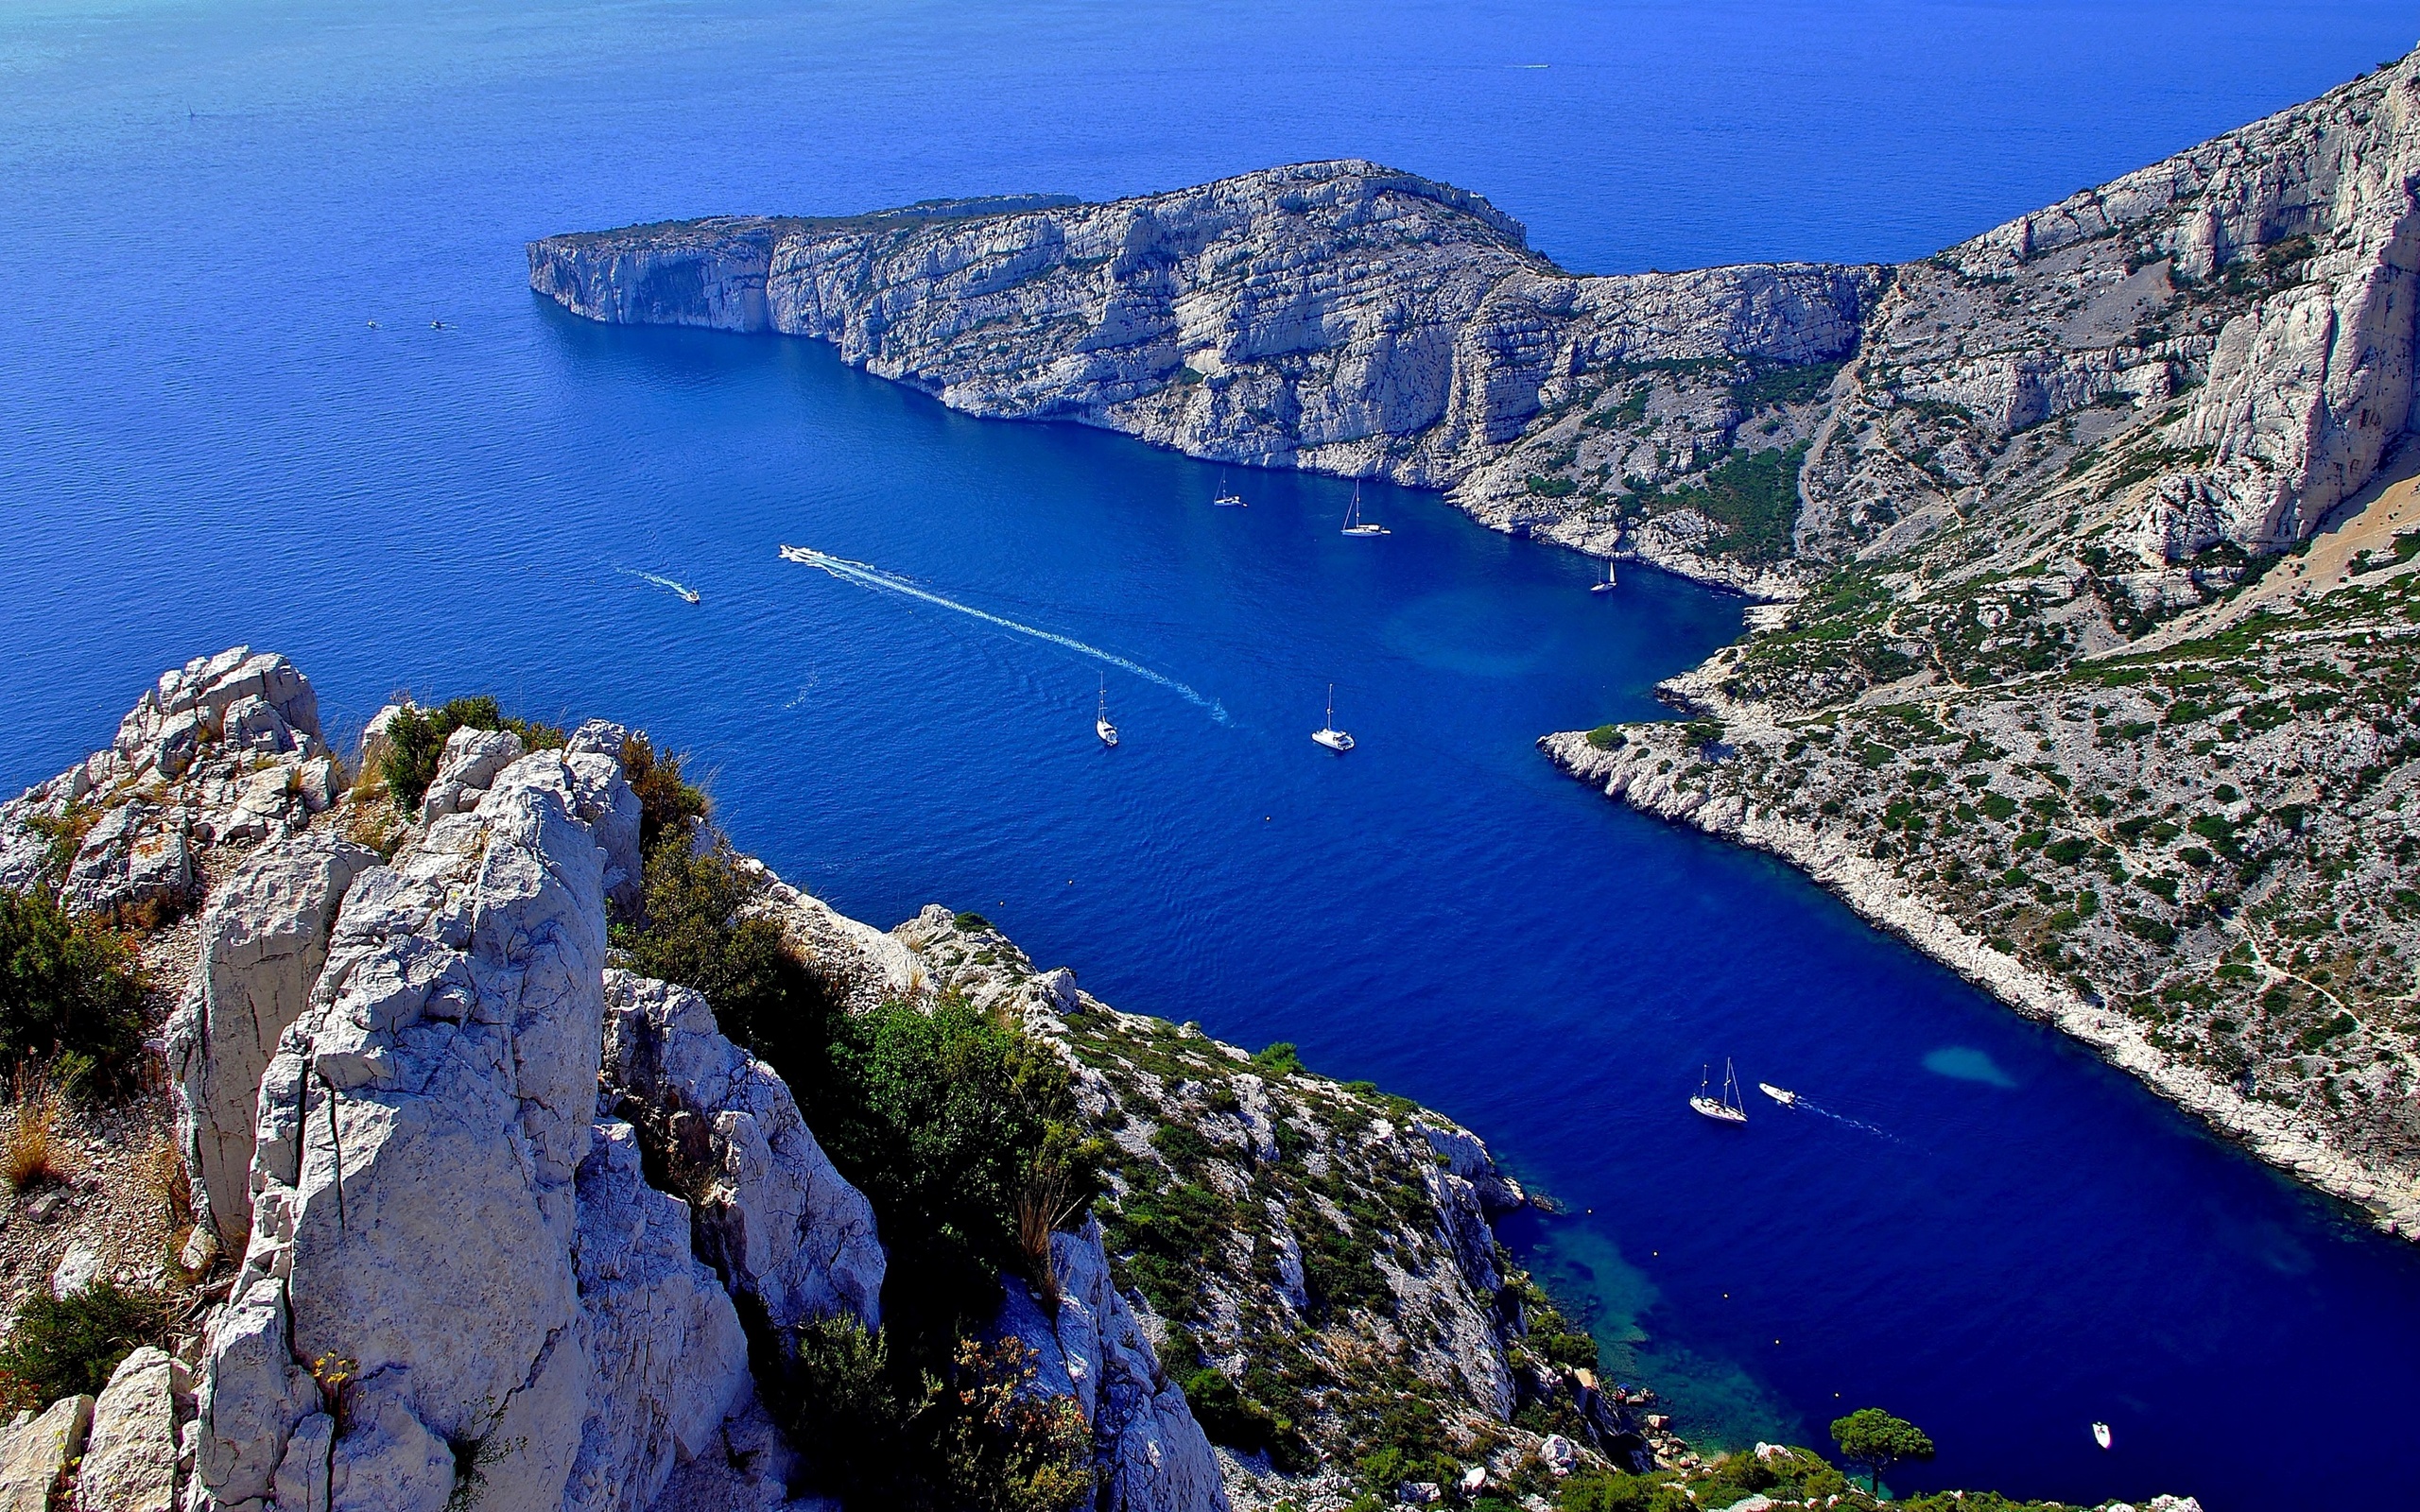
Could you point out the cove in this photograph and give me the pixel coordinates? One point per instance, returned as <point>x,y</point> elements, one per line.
<point>209,442</point>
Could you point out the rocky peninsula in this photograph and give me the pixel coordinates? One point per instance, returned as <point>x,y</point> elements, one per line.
<point>2083,662</point>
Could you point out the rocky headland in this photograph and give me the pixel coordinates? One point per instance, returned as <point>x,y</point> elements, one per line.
<point>2083,664</point>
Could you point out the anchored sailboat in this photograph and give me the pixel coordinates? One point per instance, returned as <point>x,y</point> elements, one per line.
<point>1607,586</point>
<point>1327,735</point>
<point>1353,523</point>
<point>1102,727</point>
<point>1228,498</point>
<point>1723,1109</point>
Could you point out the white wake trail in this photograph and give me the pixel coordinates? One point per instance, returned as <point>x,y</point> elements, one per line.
<point>865,574</point>
<point>681,589</point>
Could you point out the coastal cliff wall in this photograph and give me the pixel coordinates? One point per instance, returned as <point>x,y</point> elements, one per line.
<point>1336,317</point>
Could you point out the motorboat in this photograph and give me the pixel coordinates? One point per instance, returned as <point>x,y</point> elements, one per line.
<point>1779,1094</point>
<point>2100,1435</point>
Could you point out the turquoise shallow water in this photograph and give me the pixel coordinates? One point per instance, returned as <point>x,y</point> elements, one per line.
<point>205,441</point>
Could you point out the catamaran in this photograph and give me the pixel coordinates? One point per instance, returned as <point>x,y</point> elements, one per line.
<point>1353,523</point>
<point>1779,1094</point>
<point>1607,586</point>
<point>1102,727</point>
<point>1723,1109</point>
<point>1327,735</point>
<point>1228,498</point>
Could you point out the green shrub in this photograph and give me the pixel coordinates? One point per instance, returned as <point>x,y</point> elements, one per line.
<point>414,743</point>
<point>666,803</point>
<point>1608,737</point>
<point>973,1437</point>
<point>1279,1059</point>
<point>762,995</point>
<point>1227,1415</point>
<point>62,1345</point>
<point>71,992</point>
<point>945,1119</point>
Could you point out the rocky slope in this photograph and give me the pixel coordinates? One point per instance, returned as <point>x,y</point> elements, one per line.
<point>2107,703</point>
<point>477,1213</point>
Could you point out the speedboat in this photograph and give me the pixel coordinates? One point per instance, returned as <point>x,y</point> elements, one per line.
<point>1779,1094</point>
<point>1722,1110</point>
<point>1353,523</point>
<point>2100,1435</point>
<point>1102,727</point>
<point>690,595</point>
<point>1327,735</point>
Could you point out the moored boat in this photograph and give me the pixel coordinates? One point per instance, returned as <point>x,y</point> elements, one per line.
<point>1327,735</point>
<point>1723,1109</point>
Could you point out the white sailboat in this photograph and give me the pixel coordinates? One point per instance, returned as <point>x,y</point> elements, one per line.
<point>1723,1109</point>
<point>1779,1094</point>
<point>1353,523</point>
<point>1227,498</point>
<point>1102,727</point>
<point>1607,586</point>
<point>1327,735</point>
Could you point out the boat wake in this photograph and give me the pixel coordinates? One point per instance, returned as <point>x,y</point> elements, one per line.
<point>1819,1111</point>
<point>865,574</point>
<point>682,589</point>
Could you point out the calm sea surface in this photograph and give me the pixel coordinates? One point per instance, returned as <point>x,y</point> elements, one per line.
<point>204,440</point>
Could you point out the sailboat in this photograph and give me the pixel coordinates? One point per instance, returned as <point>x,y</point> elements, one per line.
<point>1102,727</point>
<point>1327,735</point>
<point>1353,523</point>
<point>1723,1109</point>
<point>1607,586</point>
<point>1228,498</point>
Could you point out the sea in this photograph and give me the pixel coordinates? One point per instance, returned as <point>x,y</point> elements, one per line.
<point>270,373</point>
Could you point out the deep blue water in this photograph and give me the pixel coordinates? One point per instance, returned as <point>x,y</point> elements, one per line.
<point>202,441</point>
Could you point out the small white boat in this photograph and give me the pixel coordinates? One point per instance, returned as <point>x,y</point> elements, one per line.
<point>1228,498</point>
<point>1327,735</point>
<point>1102,727</point>
<point>1723,1109</point>
<point>1607,586</point>
<point>1355,525</point>
<point>1779,1094</point>
<point>688,595</point>
<point>2100,1435</point>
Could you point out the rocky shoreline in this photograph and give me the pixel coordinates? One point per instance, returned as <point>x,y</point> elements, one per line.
<point>1647,774</point>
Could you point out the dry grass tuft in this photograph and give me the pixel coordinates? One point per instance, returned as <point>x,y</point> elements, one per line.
<point>31,1151</point>
<point>1045,1206</point>
<point>165,1181</point>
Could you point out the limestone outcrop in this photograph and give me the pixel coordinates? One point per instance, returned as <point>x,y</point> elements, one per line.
<point>129,1461</point>
<point>1340,317</point>
<point>536,1317</point>
<point>226,748</point>
<point>776,1222</point>
<point>1150,1454</point>
<point>264,939</point>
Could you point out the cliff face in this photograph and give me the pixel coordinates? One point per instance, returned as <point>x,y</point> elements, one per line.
<point>1339,316</point>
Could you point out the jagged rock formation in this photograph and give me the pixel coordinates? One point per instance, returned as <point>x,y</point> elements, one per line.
<point>1340,317</point>
<point>224,749</point>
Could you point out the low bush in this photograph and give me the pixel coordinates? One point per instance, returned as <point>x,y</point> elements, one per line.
<point>30,1151</point>
<point>668,805</point>
<point>1280,1059</point>
<point>763,996</point>
<point>62,1345</point>
<point>408,753</point>
<point>71,993</point>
